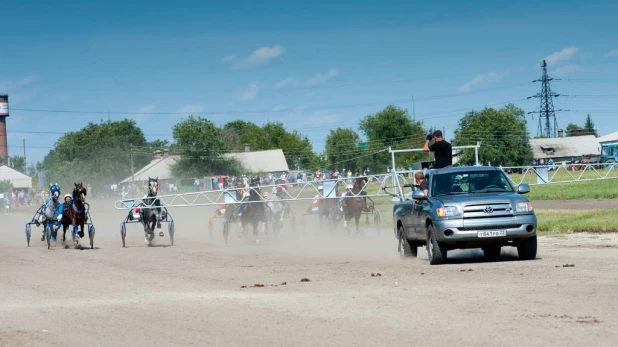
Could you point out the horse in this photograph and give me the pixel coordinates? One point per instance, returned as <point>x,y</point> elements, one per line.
<point>354,203</point>
<point>78,210</point>
<point>151,216</point>
<point>277,208</point>
<point>327,207</point>
<point>254,212</point>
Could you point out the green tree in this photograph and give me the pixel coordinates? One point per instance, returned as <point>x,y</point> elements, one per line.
<point>199,144</point>
<point>503,135</point>
<point>570,127</point>
<point>589,127</point>
<point>393,127</point>
<point>97,154</point>
<point>5,186</point>
<point>18,163</point>
<point>237,133</point>
<point>342,148</point>
<point>297,148</point>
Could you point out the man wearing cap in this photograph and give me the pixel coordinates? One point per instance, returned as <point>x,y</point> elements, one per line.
<point>441,149</point>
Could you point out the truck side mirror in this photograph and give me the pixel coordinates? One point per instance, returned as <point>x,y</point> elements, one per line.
<point>523,189</point>
<point>418,194</point>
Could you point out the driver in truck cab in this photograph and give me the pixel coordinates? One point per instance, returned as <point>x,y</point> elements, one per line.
<point>421,182</point>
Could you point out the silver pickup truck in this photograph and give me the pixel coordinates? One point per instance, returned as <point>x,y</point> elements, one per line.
<point>466,207</point>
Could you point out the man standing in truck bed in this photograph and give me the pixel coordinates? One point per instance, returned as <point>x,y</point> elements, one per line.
<point>441,149</point>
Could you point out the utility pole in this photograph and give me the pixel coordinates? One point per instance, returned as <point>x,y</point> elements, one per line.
<point>25,162</point>
<point>132,169</point>
<point>546,110</point>
<point>413,108</point>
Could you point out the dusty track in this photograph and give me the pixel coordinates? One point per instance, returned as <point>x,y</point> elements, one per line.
<point>191,293</point>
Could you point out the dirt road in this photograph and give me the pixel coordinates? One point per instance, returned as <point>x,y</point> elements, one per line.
<point>190,294</point>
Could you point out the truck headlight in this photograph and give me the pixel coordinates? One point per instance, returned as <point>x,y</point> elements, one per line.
<point>447,211</point>
<point>523,206</point>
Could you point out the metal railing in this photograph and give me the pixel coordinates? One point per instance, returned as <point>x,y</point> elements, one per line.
<point>563,173</point>
<point>299,191</point>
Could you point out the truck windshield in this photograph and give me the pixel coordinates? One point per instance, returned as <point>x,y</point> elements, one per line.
<point>468,183</point>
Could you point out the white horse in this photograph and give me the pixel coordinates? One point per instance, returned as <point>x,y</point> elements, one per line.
<point>277,207</point>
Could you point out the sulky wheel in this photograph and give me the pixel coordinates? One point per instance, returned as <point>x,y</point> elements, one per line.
<point>170,229</point>
<point>123,233</point>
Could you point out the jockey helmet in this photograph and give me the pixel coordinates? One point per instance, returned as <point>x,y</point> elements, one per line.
<point>67,196</point>
<point>349,186</point>
<point>320,188</point>
<point>54,191</point>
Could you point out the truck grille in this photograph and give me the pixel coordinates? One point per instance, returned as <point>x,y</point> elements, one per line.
<point>496,210</point>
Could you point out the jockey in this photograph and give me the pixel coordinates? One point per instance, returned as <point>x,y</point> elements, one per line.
<point>51,205</point>
<point>66,204</point>
<point>314,205</point>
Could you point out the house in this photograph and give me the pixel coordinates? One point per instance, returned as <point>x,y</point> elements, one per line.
<point>17,179</point>
<point>258,161</point>
<point>564,148</point>
<point>613,137</point>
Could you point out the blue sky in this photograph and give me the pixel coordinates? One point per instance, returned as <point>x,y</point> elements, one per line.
<point>313,65</point>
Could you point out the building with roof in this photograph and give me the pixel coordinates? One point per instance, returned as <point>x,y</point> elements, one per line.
<point>258,161</point>
<point>564,148</point>
<point>613,137</point>
<point>17,179</point>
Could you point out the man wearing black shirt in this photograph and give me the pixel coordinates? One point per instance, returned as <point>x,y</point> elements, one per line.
<point>441,149</point>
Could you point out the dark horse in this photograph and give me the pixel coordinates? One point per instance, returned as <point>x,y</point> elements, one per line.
<point>255,211</point>
<point>354,202</point>
<point>151,217</point>
<point>78,211</point>
<point>66,217</point>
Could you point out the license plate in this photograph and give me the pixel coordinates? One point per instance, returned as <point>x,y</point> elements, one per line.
<point>492,233</point>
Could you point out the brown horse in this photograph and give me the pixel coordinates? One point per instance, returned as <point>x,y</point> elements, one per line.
<point>78,211</point>
<point>354,202</point>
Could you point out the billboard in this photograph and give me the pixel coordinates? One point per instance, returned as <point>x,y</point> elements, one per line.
<point>4,105</point>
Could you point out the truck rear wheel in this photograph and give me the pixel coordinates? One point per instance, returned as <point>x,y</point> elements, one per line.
<point>405,248</point>
<point>435,250</point>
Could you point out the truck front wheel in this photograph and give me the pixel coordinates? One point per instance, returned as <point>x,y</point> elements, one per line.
<point>526,249</point>
<point>435,250</point>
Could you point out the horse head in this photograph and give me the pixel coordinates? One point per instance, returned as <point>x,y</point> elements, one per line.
<point>79,191</point>
<point>153,186</point>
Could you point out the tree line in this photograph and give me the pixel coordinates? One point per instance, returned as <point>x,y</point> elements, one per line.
<point>102,152</point>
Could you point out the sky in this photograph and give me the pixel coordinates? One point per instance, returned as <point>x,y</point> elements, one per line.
<point>313,65</point>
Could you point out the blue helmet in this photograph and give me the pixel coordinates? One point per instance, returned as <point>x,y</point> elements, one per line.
<point>54,191</point>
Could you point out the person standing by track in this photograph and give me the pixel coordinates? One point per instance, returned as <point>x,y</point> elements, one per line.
<point>441,148</point>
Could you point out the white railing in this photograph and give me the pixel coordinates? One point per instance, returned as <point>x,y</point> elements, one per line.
<point>562,173</point>
<point>299,191</point>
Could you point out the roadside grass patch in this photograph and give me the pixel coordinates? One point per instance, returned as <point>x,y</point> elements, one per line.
<point>568,221</point>
<point>600,189</point>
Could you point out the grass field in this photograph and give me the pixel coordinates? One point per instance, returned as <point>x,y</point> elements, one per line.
<point>562,221</point>
<point>564,175</point>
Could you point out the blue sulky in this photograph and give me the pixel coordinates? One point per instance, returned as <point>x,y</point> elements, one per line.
<point>134,216</point>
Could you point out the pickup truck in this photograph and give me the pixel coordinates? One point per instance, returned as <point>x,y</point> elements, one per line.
<point>466,207</point>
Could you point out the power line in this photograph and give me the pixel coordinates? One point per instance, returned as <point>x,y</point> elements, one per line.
<point>285,110</point>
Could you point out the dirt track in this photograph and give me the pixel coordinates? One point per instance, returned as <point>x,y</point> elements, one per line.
<point>191,293</point>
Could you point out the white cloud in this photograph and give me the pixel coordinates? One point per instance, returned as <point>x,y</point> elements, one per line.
<point>288,82</point>
<point>191,109</point>
<point>228,58</point>
<point>19,90</point>
<point>479,79</point>
<point>143,113</point>
<point>259,57</point>
<point>250,93</point>
<point>322,77</point>
<point>612,53</point>
<point>566,69</point>
<point>560,57</point>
